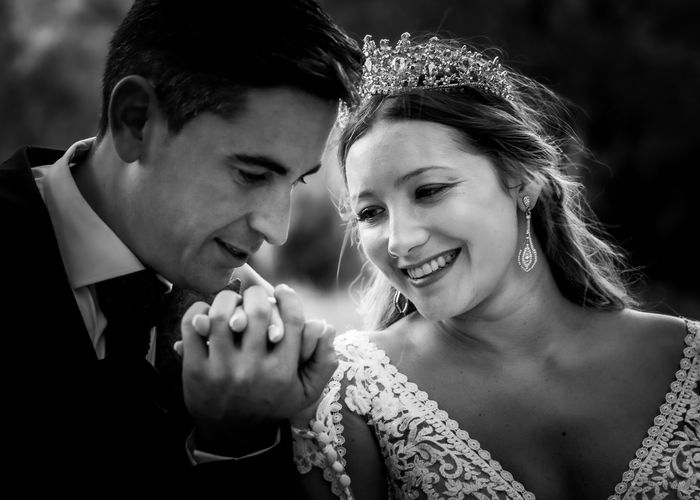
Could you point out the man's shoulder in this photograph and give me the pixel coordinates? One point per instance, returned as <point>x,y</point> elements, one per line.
<point>16,178</point>
<point>31,156</point>
<point>24,220</point>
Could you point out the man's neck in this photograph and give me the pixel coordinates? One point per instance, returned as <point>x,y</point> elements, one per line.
<point>94,177</point>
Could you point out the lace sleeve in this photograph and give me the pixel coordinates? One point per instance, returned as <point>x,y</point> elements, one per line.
<point>321,443</point>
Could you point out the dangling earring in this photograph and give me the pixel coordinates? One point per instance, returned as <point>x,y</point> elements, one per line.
<point>397,303</point>
<point>527,255</point>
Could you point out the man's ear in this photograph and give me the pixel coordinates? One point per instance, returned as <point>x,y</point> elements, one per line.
<point>132,104</point>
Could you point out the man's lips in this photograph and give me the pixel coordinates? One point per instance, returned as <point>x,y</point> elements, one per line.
<point>235,252</point>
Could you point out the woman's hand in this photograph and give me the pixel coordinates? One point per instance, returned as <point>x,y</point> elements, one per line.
<point>238,386</point>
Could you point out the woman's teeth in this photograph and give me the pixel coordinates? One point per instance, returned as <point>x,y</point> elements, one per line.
<point>430,267</point>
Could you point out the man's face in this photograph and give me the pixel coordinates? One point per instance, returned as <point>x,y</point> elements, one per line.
<point>200,202</point>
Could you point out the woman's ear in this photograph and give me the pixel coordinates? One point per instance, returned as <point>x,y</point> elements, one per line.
<point>132,105</point>
<point>531,190</point>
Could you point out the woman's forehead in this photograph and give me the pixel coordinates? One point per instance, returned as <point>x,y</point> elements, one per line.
<point>406,139</point>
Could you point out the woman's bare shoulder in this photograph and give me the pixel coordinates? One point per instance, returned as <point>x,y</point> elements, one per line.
<point>397,337</point>
<point>656,327</point>
<point>647,335</point>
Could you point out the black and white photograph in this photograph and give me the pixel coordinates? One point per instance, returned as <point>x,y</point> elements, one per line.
<point>357,250</point>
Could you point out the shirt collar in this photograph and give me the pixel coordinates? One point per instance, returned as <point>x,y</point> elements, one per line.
<point>91,251</point>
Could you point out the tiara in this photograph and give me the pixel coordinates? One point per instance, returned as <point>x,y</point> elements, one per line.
<point>407,66</point>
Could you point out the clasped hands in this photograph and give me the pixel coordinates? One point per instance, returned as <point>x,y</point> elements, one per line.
<point>250,363</point>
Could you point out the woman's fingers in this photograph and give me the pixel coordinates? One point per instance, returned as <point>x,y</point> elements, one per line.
<point>192,341</point>
<point>313,330</point>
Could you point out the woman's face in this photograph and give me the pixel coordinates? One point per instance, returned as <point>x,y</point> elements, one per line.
<point>433,217</point>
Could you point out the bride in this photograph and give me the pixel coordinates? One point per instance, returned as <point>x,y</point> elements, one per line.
<point>505,355</point>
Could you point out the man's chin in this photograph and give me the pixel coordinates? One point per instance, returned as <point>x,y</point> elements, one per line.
<point>207,282</point>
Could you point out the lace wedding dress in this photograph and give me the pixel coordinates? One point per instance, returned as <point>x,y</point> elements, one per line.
<point>427,455</point>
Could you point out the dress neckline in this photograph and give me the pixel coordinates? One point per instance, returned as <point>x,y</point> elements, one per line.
<point>661,432</point>
<point>430,406</point>
<point>652,446</point>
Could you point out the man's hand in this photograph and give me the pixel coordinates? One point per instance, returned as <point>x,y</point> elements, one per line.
<point>239,386</point>
<point>247,277</point>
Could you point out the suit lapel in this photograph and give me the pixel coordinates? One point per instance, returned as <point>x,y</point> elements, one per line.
<point>33,268</point>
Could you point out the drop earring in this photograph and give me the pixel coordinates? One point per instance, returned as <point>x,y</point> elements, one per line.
<point>527,255</point>
<point>397,303</point>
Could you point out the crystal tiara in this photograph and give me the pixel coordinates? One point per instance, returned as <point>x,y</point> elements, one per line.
<point>407,66</point>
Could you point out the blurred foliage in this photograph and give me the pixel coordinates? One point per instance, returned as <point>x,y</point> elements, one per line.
<point>632,67</point>
<point>52,53</point>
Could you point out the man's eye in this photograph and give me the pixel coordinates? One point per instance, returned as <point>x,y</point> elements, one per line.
<point>369,214</point>
<point>251,178</point>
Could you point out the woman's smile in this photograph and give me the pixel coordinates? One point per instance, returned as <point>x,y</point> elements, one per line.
<point>431,270</point>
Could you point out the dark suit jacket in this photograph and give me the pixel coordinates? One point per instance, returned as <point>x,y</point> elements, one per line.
<point>64,430</point>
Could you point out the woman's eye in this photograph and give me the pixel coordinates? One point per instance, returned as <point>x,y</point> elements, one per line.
<point>430,190</point>
<point>368,214</point>
<point>300,180</point>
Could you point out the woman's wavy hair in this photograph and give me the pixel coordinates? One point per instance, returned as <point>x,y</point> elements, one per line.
<point>528,138</point>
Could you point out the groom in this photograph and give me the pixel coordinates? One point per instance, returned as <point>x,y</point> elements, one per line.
<point>212,113</point>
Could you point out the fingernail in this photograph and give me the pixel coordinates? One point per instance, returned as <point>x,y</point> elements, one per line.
<point>201,324</point>
<point>177,347</point>
<point>274,333</point>
<point>272,300</point>
<point>238,322</point>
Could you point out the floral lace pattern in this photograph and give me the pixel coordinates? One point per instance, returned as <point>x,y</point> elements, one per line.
<point>427,455</point>
<point>669,459</point>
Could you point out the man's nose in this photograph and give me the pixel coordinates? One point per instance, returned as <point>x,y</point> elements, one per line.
<point>271,218</point>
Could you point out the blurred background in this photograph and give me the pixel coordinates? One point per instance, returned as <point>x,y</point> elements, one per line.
<point>632,67</point>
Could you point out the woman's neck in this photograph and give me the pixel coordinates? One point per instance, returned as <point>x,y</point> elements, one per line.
<point>528,323</point>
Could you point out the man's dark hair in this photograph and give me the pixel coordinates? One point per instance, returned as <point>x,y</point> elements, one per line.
<point>202,55</point>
